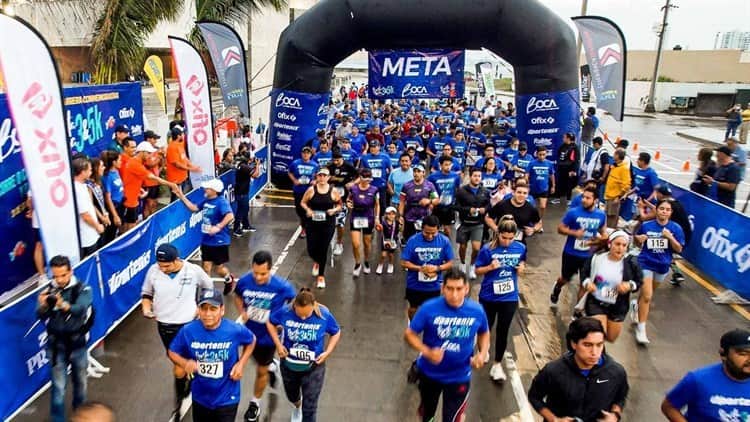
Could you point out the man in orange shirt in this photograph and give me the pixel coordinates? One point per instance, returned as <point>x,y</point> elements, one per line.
<point>128,151</point>
<point>134,176</point>
<point>178,165</point>
<point>154,163</point>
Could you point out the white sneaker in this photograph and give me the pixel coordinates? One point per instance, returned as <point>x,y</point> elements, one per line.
<point>321,283</point>
<point>357,270</point>
<point>296,414</point>
<point>366,267</point>
<point>315,269</point>
<point>390,269</point>
<point>472,273</point>
<point>634,311</point>
<point>640,336</point>
<point>487,357</point>
<point>338,249</point>
<point>497,373</point>
<point>379,269</point>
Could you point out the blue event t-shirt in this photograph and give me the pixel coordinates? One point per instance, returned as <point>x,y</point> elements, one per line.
<point>446,185</point>
<point>349,155</point>
<point>419,251</point>
<point>539,174</point>
<point>644,181</point>
<point>304,172</point>
<point>261,300</point>
<point>459,152</point>
<point>580,218</point>
<point>112,183</point>
<point>453,330</point>
<point>710,395</point>
<point>216,352</point>
<point>491,180</point>
<point>304,338</point>
<point>656,253</point>
<point>323,158</point>
<point>501,285</point>
<point>455,167</point>
<point>398,179</point>
<point>358,142</point>
<point>395,158</point>
<point>214,211</point>
<point>437,143</point>
<point>380,165</point>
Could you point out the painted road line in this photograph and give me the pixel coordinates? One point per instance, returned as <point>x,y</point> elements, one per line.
<point>524,408</point>
<point>288,198</point>
<point>711,288</point>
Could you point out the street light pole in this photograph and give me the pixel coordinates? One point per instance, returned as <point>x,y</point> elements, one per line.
<point>650,108</point>
<point>584,7</point>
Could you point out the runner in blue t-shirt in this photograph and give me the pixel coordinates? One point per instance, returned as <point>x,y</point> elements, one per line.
<point>425,256</point>
<point>446,182</point>
<point>659,239</point>
<point>582,226</point>
<point>208,349</point>
<point>324,154</point>
<point>298,330</point>
<point>394,151</point>
<point>459,149</point>
<point>450,326</point>
<point>645,180</point>
<point>217,214</point>
<point>400,174</point>
<point>302,174</point>
<point>380,166</point>
<point>509,156</point>
<point>717,392</point>
<point>541,179</point>
<point>500,262</point>
<point>492,173</point>
<point>347,152</point>
<point>522,161</point>
<point>258,294</point>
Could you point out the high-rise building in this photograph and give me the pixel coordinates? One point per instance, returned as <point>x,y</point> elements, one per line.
<point>732,40</point>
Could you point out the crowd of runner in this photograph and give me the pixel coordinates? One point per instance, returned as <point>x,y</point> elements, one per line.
<point>416,179</point>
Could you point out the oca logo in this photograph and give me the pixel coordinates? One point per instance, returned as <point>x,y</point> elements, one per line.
<point>541,104</point>
<point>322,110</point>
<point>543,120</point>
<point>410,90</point>
<point>288,102</point>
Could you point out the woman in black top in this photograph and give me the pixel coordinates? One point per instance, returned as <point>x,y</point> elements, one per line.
<point>706,167</point>
<point>321,203</point>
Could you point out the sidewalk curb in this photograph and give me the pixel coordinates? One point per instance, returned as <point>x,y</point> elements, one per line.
<point>697,138</point>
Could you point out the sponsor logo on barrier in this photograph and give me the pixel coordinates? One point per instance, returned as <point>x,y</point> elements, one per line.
<point>543,120</point>
<point>8,140</point>
<point>38,359</point>
<point>718,243</point>
<point>126,113</point>
<point>136,130</point>
<point>541,104</point>
<point>201,118</point>
<point>284,126</point>
<point>542,142</point>
<point>547,131</point>
<point>124,276</point>
<point>284,116</point>
<point>383,90</point>
<point>416,66</point>
<point>323,110</point>
<point>196,219</point>
<point>288,102</point>
<point>171,235</point>
<point>413,90</point>
<point>283,137</point>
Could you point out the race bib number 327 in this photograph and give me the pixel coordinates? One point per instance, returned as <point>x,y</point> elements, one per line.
<point>213,370</point>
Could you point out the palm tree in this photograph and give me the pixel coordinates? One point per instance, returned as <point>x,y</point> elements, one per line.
<point>117,43</point>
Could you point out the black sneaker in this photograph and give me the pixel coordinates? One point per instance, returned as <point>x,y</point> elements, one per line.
<point>229,284</point>
<point>237,233</point>
<point>249,228</point>
<point>272,380</point>
<point>412,376</point>
<point>577,314</point>
<point>677,279</point>
<point>252,413</point>
<point>555,296</point>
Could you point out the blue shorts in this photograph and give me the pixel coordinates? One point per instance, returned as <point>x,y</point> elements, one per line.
<point>657,277</point>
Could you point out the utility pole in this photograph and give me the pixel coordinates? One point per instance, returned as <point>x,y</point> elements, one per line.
<point>584,7</point>
<point>650,108</point>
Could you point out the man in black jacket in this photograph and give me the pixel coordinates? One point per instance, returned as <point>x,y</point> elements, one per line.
<point>66,305</point>
<point>567,166</point>
<point>472,202</point>
<point>248,168</point>
<point>585,383</point>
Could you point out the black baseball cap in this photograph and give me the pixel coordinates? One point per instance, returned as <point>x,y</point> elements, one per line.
<point>122,128</point>
<point>374,143</point>
<point>211,296</point>
<point>664,189</point>
<point>175,132</point>
<point>337,154</point>
<point>724,149</point>
<point>166,252</point>
<point>736,338</point>
<point>150,134</point>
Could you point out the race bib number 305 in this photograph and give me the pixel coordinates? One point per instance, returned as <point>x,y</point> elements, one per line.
<point>213,370</point>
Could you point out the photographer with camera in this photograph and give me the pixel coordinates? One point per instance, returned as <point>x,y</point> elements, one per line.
<point>66,306</point>
<point>248,168</point>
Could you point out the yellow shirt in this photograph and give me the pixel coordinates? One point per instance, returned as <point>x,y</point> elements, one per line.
<point>618,182</point>
<point>746,115</point>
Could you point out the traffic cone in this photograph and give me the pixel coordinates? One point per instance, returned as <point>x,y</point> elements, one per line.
<point>657,155</point>
<point>635,146</point>
<point>686,165</point>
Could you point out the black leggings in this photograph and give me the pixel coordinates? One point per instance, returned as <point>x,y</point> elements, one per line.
<point>301,213</point>
<point>318,239</point>
<point>565,184</point>
<point>220,414</point>
<point>504,312</point>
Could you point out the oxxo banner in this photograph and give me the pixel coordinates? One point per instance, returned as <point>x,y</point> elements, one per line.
<point>115,274</point>
<point>416,74</point>
<point>543,119</point>
<point>295,117</point>
<point>92,113</point>
<point>720,245</point>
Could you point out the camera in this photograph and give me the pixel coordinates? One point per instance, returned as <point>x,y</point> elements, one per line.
<point>52,296</point>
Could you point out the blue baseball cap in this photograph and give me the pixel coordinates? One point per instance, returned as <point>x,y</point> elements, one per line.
<point>211,296</point>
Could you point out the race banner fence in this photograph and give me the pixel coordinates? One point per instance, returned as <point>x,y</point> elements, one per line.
<point>115,274</point>
<point>92,113</point>
<point>416,74</point>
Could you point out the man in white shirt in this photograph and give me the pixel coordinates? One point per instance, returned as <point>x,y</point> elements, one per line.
<point>169,296</point>
<point>89,227</point>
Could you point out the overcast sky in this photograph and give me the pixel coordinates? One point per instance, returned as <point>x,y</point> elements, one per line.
<point>693,24</point>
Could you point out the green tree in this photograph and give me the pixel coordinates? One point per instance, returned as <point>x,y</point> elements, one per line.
<point>119,34</point>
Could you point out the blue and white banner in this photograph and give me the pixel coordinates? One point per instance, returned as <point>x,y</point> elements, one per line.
<point>115,274</point>
<point>416,74</point>
<point>542,119</point>
<point>720,245</point>
<point>295,116</point>
<point>92,113</point>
